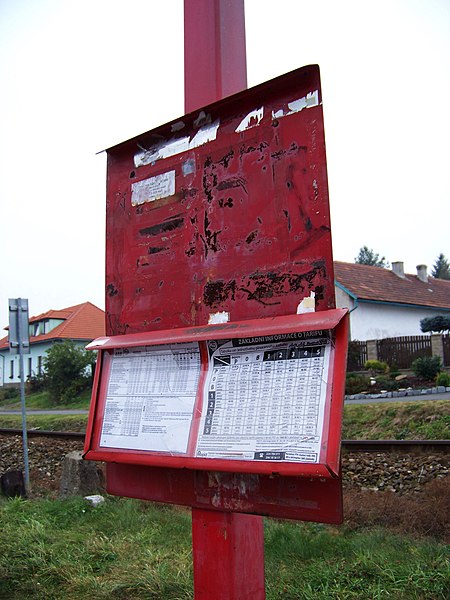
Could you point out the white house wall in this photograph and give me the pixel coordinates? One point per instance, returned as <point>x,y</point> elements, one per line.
<point>377,321</point>
<point>36,351</point>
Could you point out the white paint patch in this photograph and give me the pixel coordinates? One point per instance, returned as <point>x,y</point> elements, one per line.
<point>178,126</point>
<point>307,305</point>
<point>160,151</point>
<point>253,119</point>
<point>205,134</point>
<point>96,343</point>
<point>219,317</point>
<point>154,188</point>
<point>311,99</point>
<point>188,167</point>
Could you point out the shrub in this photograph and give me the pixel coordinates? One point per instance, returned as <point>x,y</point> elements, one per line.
<point>376,366</point>
<point>443,379</point>
<point>355,384</point>
<point>427,367</point>
<point>394,370</point>
<point>36,383</point>
<point>9,393</point>
<point>387,384</point>
<point>66,366</point>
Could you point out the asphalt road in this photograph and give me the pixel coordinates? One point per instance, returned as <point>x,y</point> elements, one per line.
<point>419,397</point>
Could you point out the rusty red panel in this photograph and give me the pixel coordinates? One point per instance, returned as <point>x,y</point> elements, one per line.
<point>225,209</point>
<point>279,497</point>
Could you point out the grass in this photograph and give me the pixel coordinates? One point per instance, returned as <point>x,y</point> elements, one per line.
<point>427,420</point>
<point>67,550</point>
<point>127,549</point>
<point>43,401</point>
<point>46,422</point>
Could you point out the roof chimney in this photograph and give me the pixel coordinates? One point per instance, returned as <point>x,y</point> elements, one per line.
<point>397,268</point>
<point>422,273</point>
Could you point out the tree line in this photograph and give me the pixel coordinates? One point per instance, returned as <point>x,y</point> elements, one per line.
<point>368,256</point>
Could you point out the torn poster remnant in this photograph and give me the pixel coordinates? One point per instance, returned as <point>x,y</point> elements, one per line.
<point>154,188</point>
<point>253,119</point>
<point>205,134</point>
<point>311,99</point>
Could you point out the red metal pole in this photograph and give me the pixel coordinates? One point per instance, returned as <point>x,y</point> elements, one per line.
<point>228,548</point>
<point>215,63</point>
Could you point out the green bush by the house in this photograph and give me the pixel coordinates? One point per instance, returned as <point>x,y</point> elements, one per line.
<point>68,370</point>
<point>427,367</point>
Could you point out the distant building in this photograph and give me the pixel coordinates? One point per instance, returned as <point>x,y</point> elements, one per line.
<point>81,324</point>
<point>387,303</point>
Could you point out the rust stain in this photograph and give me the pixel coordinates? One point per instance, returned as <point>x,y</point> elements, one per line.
<point>264,288</point>
<point>233,182</point>
<point>209,238</point>
<point>251,237</point>
<point>111,290</point>
<point>162,227</point>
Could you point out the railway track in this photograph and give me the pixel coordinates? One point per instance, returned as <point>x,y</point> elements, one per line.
<point>406,446</point>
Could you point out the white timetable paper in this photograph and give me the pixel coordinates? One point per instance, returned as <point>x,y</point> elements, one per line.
<point>264,398</point>
<point>150,397</point>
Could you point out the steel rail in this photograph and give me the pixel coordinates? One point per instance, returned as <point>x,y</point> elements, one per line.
<point>372,446</point>
<point>74,435</point>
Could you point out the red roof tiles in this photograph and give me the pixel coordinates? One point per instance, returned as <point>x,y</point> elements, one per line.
<point>383,285</point>
<point>81,322</point>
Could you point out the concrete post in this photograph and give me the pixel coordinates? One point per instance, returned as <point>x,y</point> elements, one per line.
<point>437,347</point>
<point>372,350</point>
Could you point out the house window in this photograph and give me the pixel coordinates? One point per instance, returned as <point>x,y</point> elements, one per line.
<point>11,369</point>
<point>30,366</point>
<point>40,365</point>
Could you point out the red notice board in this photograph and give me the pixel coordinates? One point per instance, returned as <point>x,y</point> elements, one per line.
<point>253,397</point>
<point>219,302</point>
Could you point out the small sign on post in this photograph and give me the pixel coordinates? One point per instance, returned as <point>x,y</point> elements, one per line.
<point>19,343</point>
<point>18,326</point>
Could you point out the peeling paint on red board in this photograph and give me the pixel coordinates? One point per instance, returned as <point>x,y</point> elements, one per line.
<point>245,227</point>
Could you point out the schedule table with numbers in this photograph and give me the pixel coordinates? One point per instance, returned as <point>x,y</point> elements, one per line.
<point>265,400</point>
<point>150,397</point>
<point>253,399</point>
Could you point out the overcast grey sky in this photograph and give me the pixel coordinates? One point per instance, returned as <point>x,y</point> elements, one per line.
<point>80,76</point>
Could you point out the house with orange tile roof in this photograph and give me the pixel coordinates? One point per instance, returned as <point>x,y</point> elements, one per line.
<point>81,323</point>
<point>386,303</point>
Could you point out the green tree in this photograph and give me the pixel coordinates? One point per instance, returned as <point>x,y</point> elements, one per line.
<point>438,324</point>
<point>67,370</point>
<point>441,268</point>
<point>367,256</point>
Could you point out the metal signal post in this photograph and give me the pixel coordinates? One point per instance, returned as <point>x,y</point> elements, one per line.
<point>19,343</point>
